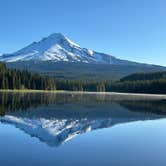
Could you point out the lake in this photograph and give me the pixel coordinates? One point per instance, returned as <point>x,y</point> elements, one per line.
<point>68,129</point>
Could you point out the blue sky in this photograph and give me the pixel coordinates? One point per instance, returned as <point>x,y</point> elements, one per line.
<point>128,29</point>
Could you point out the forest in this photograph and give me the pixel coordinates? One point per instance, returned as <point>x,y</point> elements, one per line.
<point>16,79</point>
<point>134,83</point>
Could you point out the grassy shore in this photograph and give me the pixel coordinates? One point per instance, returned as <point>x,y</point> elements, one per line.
<point>29,91</point>
<point>113,95</point>
<point>86,92</point>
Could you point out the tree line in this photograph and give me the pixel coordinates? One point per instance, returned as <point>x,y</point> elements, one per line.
<point>146,86</point>
<point>144,76</point>
<point>135,83</point>
<point>16,79</point>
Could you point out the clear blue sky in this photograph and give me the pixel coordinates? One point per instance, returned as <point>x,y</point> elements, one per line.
<point>129,29</point>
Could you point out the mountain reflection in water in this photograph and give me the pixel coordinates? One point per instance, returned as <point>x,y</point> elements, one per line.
<point>55,118</point>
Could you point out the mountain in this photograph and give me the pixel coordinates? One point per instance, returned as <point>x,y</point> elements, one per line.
<point>59,48</point>
<point>58,56</point>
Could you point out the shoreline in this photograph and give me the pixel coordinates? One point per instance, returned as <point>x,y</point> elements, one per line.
<point>29,91</point>
<point>111,94</point>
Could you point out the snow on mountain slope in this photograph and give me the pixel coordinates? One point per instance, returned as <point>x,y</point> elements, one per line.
<point>57,47</point>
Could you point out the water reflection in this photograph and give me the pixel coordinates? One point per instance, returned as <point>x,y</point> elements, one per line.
<point>55,118</point>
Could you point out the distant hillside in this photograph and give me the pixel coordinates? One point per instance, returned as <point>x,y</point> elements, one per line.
<point>84,71</point>
<point>145,76</point>
<point>141,83</point>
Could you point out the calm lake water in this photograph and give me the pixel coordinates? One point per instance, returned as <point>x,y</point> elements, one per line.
<point>68,129</point>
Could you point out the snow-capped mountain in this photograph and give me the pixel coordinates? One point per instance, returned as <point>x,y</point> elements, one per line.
<point>58,47</point>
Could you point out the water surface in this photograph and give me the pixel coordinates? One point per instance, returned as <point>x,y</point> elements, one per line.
<point>81,129</point>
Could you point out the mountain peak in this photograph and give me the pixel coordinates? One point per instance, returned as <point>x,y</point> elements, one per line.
<point>56,36</point>
<point>59,37</point>
<point>59,48</point>
<point>56,47</point>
